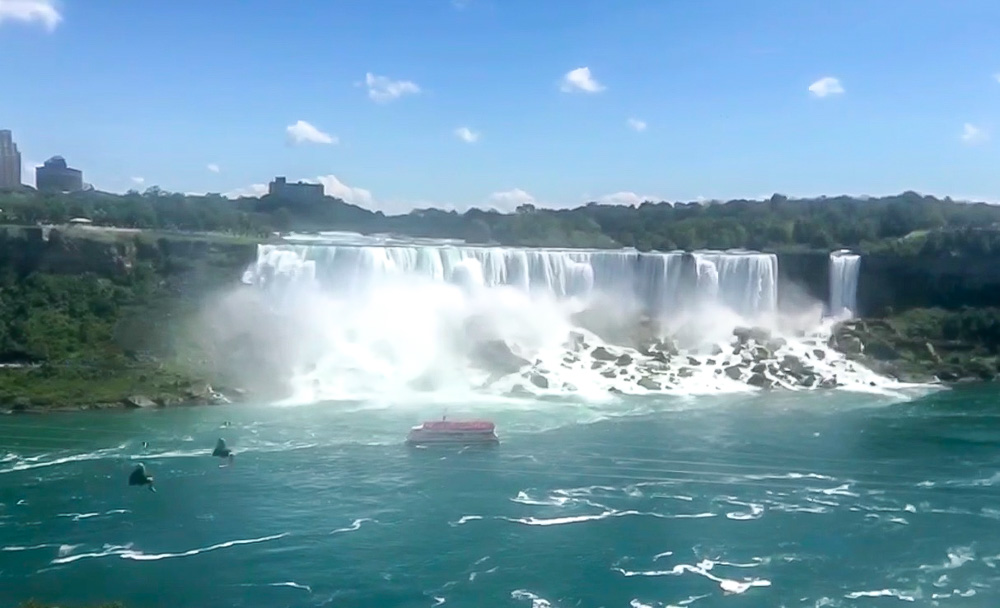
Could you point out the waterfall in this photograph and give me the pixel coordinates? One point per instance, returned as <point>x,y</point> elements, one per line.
<point>662,283</point>
<point>844,270</point>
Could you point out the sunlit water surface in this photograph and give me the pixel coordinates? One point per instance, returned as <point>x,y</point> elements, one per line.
<point>823,499</point>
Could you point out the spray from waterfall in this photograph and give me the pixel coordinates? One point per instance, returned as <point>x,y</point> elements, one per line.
<point>347,319</point>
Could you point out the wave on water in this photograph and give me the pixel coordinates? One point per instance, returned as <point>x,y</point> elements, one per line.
<point>126,551</point>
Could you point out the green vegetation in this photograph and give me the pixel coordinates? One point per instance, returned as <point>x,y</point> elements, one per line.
<point>94,318</point>
<point>952,345</point>
<point>908,223</point>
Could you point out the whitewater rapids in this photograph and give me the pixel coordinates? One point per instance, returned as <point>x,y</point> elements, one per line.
<point>359,318</point>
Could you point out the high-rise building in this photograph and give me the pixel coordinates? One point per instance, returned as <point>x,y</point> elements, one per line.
<point>56,176</point>
<point>299,192</point>
<point>10,162</point>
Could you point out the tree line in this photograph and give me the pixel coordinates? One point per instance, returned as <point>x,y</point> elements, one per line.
<point>908,222</point>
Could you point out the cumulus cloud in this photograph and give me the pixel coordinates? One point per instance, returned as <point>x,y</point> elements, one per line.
<point>467,135</point>
<point>255,190</point>
<point>382,89</point>
<point>971,134</point>
<point>509,200</point>
<point>636,125</point>
<point>302,132</point>
<point>825,87</point>
<point>580,80</point>
<point>627,198</point>
<point>139,180</point>
<point>338,189</point>
<point>214,168</point>
<point>43,12</point>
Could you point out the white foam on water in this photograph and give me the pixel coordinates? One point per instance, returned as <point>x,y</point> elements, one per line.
<point>390,321</point>
<point>355,525</point>
<point>292,585</point>
<point>126,552</point>
<point>536,601</point>
<point>905,596</point>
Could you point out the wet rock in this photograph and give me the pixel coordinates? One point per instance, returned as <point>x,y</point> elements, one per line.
<point>759,368</point>
<point>709,361</point>
<point>518,390</point>
<point>601,354</point>
<point>496,355</point>
<point>649,384</point>
<point>666,345</point>
<point>685,372</point>
<point>881,350</point>
<point>757,334</point>
<point>576,341</point>
<point>793,365</point>
<point>759,380</point>
<point>819,353</point>
<point>615,390</point>
<point>734,372</point>
<point>138,401</point>
<point>809,381</point>
<point>597,365</point>
<point>850,345</point>
<point>760,353</point>
<point>539,380</point>
<point>775,343</point>
<point>829,383</point>
<point>624,359</point>
<point>609,373</point>
<point>568,387</point>
<point>716,350</point>
<point>662,357</point>
<point>693,361</point>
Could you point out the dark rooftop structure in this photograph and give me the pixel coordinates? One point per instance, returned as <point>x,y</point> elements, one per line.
<point>56,176</point>
<point>299,192</point>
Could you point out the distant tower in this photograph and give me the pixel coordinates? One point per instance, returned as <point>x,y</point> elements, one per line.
<point>10,162</point>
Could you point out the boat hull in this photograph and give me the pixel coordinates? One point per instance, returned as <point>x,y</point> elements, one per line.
<point>437,438</point>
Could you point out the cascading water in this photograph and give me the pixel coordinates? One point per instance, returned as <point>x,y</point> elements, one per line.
<point>844,270</point>
<point>390,317</point>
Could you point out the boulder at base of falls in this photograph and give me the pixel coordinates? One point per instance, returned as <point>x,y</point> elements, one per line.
<point>757,334</point>
<point>539,380</point>
<point>759,380</point>
<point>819,353</point>
<point>601,354</point>
<point>138,402</point>
<point>685,372</point>
<point>597,365</point>
<point>609,373</point>
<point>496,355</point>
<point>760,368</point>
<point>575,342</point>
<point>518,390</point>
<point>625,359</point>
<point>774,344</point>
<point>693,361</point>
<point>793,365</point>
<point>666,345</point>
<point>734,371</point>
<point>649,384</point>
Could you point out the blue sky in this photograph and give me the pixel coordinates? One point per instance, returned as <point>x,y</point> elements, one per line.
<point>717,91</point>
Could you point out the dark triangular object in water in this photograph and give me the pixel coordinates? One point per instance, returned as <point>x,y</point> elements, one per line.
<point>139,477</point>
<point>221,450</point>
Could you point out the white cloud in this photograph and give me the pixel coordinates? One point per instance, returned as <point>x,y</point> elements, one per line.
<point>627,198</point>
<point>971,134</point>
<point>139,180</point>
<point>467,135</point>
<point>825,87</point>
<point>338,189</point>
<point>509,200</point>
<point>302,132</point>
<point>31,11</point>
<point>580,80</point>
<point>382,89</point>
<point>636,125</point>
<point>214,168</point>
<point>251,190</point>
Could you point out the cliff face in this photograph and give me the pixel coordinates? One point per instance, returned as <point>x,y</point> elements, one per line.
<point>27,250</point>
<point>803,276</point>
<point>901,283</point>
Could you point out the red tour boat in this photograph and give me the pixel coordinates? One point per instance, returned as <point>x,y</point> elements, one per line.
<point>461,432</point>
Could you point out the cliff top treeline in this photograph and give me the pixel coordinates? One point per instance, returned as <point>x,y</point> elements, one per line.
<point>906,223</point>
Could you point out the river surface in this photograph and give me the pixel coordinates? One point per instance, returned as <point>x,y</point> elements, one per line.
<point>829,499</point>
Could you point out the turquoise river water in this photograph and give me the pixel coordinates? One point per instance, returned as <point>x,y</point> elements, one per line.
<point>831,499</point>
